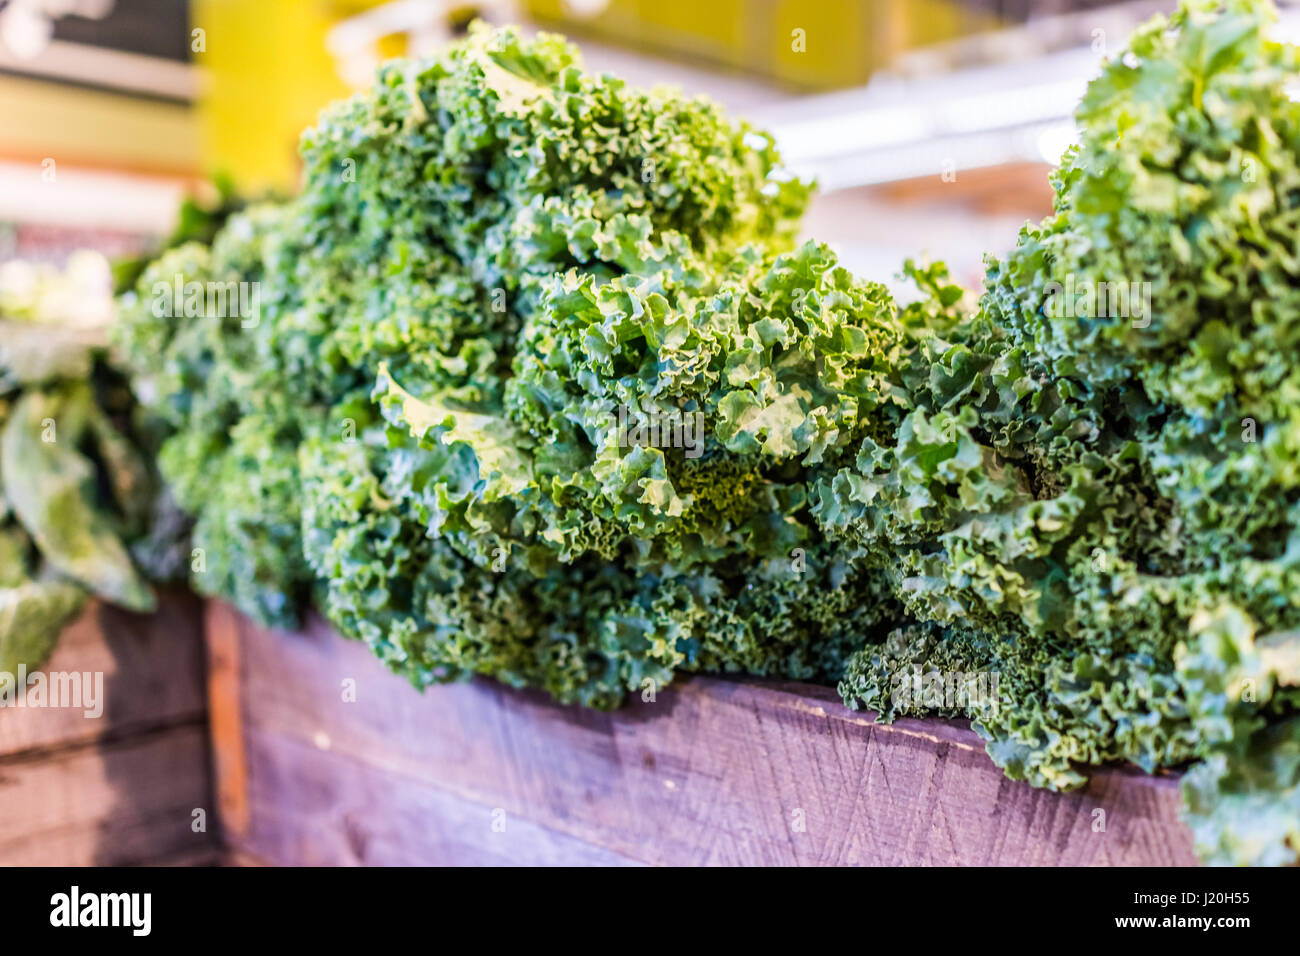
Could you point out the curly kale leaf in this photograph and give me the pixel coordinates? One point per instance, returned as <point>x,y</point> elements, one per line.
<point>1102,456</point>
<point>1243,799</point>
<point>436,208</point>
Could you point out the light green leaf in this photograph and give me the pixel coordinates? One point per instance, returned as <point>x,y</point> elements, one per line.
<point>51,488</point>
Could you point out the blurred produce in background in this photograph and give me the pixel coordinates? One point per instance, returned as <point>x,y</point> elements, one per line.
<point>82,508</point>
<point>929,123</point>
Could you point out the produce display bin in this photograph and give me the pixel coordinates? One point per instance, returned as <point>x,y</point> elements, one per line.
<point>323,757</point>
<point>121,788</point>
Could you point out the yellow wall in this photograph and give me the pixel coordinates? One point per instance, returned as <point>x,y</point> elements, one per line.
<point>844,41</point>
<point>267,75</point>
<point>264,76</point>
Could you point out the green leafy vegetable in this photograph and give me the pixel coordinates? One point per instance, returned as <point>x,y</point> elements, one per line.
<point>80,502</point>
<point>436,211</point>
<point>49,485</point>
<point>32,613</point>
<point>538,388</point>
<point>1096,495</point>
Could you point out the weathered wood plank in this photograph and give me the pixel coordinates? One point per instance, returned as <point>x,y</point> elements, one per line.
<point>226,719</point>
<point>117,803</point>
<point>211,855</point>
<point>152,668</point>
<point>314,808</point>
<point>713,772</point>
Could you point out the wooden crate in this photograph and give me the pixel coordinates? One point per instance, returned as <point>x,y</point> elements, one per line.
<point>714,772</point>
<point>121,788</point>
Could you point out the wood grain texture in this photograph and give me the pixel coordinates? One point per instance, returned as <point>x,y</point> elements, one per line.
<point>125,802</point>
<point>317,809</point>
<point>713,772</point>
<point>120,788</point>
<point>153,675</point>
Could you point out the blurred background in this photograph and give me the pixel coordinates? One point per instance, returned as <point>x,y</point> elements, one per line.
<point>930,124</point>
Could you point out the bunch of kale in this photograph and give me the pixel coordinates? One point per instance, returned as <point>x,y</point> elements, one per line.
<point>446,218</point>
<point>1103,504</point>
<point>501,268</point>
